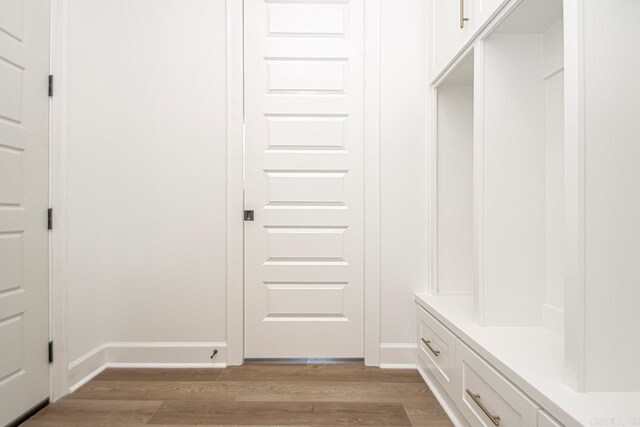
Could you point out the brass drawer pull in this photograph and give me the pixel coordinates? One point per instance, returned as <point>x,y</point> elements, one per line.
<point>428,344</point>
<point>462,17</point>
<point>476,398</point>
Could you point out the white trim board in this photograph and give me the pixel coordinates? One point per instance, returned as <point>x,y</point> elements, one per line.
<point>372,198</point>
<point>398,355</point>
<point>235,182</point>
<point>191,355</point>
<point>57,185</point>
<point>553,318</point>
<point>144,355</point>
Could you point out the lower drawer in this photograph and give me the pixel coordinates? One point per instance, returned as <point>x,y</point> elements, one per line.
<point>436,348</point>
<point>488,399</point>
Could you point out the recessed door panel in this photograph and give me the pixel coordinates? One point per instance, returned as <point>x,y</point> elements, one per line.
<point>304,179</point>
<point>24,187</point>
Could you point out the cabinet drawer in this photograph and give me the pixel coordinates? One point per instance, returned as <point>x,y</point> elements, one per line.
<point>488,399</point>
<point>436,347</point>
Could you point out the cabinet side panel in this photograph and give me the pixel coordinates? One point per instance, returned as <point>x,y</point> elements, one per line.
<point>612,196</point>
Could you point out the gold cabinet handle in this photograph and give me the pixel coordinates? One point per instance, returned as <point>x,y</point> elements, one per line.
<point>495,419</point>
<point>462,18</point>
<point>428,344</point>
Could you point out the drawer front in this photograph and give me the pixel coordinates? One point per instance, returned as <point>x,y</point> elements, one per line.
<point>546,420</point>
<point>436,347</point>
<point>488,399</point>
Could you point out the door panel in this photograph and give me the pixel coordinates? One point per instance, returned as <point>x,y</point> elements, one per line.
<point>304,179</point>
<point>24,291</point>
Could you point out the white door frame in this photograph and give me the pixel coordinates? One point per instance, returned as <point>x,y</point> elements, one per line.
<point>235,182</point>
<point>235,188</point>
<point>372,198</point>
<point>57,185</point>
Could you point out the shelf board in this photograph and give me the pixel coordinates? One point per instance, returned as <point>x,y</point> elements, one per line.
<point>532,358</point>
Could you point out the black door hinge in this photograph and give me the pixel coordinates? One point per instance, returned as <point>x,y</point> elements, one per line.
<point>50,85</point>
<point>50,219</point>
<point>248,215</point>
<point>50,351</point>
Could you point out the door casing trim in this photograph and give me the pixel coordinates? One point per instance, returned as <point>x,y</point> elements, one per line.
<point>57,189</point>
<point>235,182</point>
<point>372,196</point>
<point>372,199</point>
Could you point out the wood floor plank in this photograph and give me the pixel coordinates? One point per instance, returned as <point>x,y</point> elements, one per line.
<point>424,410</point>
<point>254,394</point>
<point>256,391</point>
<point>318,391</point>
<point>158,390</point>
<point>434,416</point>
<point>419,401</point>
<point>45,423</point>
<point>137,374</point>
<point>108,412</point>
<point>281,413</point>
<point>350,372</point>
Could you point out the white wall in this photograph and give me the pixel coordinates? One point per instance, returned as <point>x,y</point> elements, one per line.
<point>86,185</point>
<point>403,170</point>
<point>147,172</point>
<point>147,175</point>
<point>611,196</point>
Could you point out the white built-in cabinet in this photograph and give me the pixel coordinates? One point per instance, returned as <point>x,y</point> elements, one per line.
<point>483,10</point>
<point>453,25</point>
<point>450,31</point>
<point>534,213</point>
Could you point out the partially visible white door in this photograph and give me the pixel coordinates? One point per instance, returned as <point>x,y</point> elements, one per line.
<point>304,179</point>
<point>24,288</point>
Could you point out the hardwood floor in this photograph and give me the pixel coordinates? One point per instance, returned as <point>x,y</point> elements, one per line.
<point>344,394</point>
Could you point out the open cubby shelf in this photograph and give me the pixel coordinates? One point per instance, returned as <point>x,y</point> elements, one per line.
<point>521,139</point>
<point>454,181</point>
<point>499,179</point>
<point>498,185</point>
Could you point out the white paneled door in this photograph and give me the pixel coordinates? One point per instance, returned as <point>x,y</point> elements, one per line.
<point>304,292</point>
<point>24,289</point>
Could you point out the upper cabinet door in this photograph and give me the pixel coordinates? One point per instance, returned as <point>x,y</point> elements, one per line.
<point>452,27</point>
<point>483,10</point>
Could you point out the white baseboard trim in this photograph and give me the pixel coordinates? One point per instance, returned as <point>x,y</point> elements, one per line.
<point>553,318</point>
<point>86,379</point>
<point>398,355</point>
<point>145,355</point>
<point>86,367</point>
<point>191,355</point>
<point>442,397</point>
